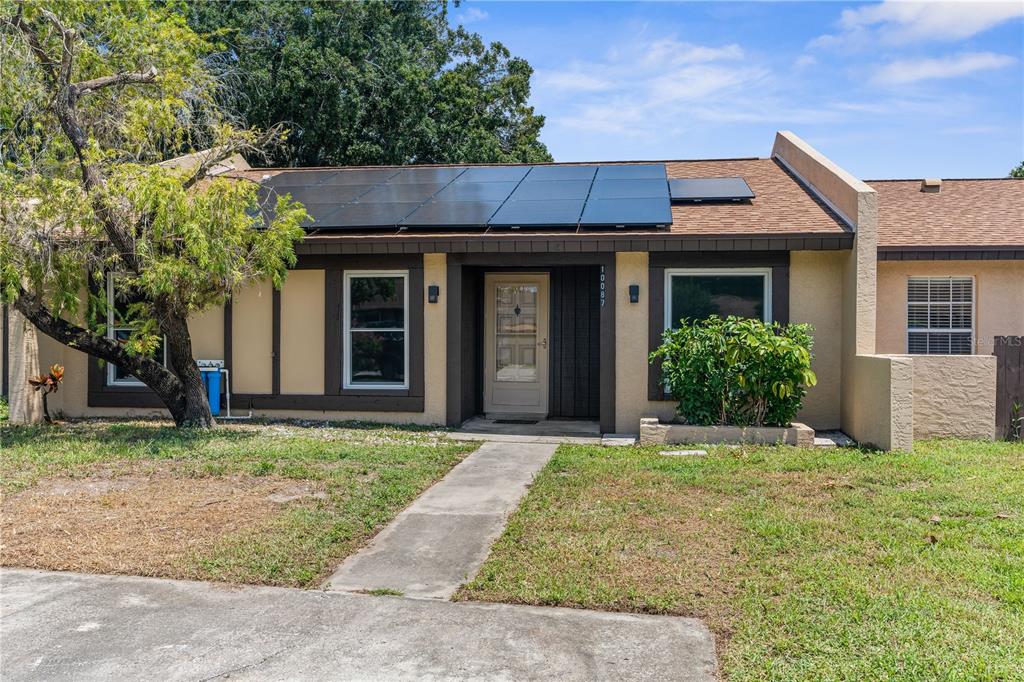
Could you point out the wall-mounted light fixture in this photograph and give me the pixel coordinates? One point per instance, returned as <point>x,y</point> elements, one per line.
<point>433,291</point>
<point>634,293</point>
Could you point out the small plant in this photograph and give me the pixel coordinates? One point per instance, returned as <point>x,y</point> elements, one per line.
<point>737,371</point>
<point>48,383</point>
<point>1016,420</point>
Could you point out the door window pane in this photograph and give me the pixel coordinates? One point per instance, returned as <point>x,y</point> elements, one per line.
<point>515,335</point>
<point>698,297</point>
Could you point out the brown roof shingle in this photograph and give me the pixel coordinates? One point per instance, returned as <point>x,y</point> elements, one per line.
<point>966,213</point>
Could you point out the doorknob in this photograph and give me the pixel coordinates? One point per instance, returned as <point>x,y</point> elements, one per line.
<point>543,343</point>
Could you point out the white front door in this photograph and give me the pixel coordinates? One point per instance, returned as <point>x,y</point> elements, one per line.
<point>516,344</point>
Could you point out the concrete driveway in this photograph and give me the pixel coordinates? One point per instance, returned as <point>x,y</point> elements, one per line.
<point>64,626</point>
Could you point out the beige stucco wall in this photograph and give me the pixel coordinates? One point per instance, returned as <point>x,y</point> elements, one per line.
<point>252,348</point>
<point>302,333</point>
<point>998,291</point>
<point>883,397</point>
<point>631,320</point>
<point>435,340</point>
<point>954,396</point>
<point>207,333</point>
<point>815,297</point>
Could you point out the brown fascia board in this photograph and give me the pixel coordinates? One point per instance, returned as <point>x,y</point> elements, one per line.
<point>964,252</point>
<point>256,169</point>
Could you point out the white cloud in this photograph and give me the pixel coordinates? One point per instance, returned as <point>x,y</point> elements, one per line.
<point>805,61</point>
<point>472,15</point>
<point>906,71</point>
<point>899,23</point>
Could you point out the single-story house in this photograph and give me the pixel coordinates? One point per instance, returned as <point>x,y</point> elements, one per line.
<point>432,294</point>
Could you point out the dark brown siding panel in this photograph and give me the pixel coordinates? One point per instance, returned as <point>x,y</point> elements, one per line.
<point>276,342</point>
<point>656,325</point>
<point>575,342</point>
<point>333,350</point>
<point>608,348</point>
<point>5,383</point>
<point>416,341</point>
<point>453,358</point>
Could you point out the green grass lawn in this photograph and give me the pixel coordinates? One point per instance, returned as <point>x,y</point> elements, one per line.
<point>273,504</point>
<point>807,564</point>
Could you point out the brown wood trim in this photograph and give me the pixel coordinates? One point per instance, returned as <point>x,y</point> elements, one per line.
<point>5,383</point>
<point>603,242</point>
<point>777,261</point>
<point>454,359</point>
<point>607,350</point>
<point>333,358</point>
<point>417,301</point>
<point>125,396</point>
<point>348,403</point>
<point>228,334</point>
<point>655,328</point>
<point>895,253</point>
<point>275,354</point>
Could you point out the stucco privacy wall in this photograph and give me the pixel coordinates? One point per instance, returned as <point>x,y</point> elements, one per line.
<point>858,204</point>
<point>884,397</point>
<point>302,333</point>
<point>815,297</point>
<point>954,396</point>
<point>998,293</point>
<point>252,347</point>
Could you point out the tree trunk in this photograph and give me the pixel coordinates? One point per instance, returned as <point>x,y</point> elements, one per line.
<point>181,390</point>
<point>195,407</point>
<point>25,405</point>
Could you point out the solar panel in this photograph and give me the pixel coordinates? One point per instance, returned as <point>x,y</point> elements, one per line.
<point>402,192</point>
<point>709,189</point>
<point>418,175</point>
<point>628,189</point>
<point>555,189</point>
<point>549,213</point>
<point>355,216</point>
<point>457,197</point>
<point>632,171</point>
<point>299,178</point>
<point>545,173</point>
<point>626,212</point>
<point>476,191</point>
<point>452,214</point>
<point>361,176</point>
<point>494,174</point>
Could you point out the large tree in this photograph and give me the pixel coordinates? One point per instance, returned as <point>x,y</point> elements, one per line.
<point>373,82</point>
<point>93,97</point>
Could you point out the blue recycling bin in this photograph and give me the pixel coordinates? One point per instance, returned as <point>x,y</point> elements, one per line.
<point>211,379</point>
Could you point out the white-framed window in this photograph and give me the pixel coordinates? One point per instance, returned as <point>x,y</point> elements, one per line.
<point>118,330</point>
<point>376,329</point>
<point>700,293</point>
<point>940,315</point>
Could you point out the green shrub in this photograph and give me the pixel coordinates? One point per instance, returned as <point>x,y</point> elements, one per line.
<point>737,371</point>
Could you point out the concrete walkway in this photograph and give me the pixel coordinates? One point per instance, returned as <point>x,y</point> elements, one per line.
<point>65,626</point>
<point>443,538</point>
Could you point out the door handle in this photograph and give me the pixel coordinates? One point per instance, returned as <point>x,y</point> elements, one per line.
<point>543,343</point>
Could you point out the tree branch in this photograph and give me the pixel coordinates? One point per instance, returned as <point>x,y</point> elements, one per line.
<point>86,87</point>
<point>151,372</point>
<point>236,146</point>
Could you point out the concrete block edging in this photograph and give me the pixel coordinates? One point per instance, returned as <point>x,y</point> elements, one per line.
<point>653,432</point>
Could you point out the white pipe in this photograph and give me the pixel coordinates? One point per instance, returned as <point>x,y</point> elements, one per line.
<point>227,396</point>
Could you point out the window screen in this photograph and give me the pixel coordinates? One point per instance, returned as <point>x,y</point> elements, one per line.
<point>376,326</point>
<point>119,329</point>
<point>699,296</point>
<point>940,315</point>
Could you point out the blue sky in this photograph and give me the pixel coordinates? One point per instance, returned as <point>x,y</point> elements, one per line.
<point>891,89</point>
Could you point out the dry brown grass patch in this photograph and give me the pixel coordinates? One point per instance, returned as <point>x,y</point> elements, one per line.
<point>142,523</point>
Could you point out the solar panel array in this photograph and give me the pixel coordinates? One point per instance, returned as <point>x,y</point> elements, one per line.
<point>709,189</point>
<point>511,197</point>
